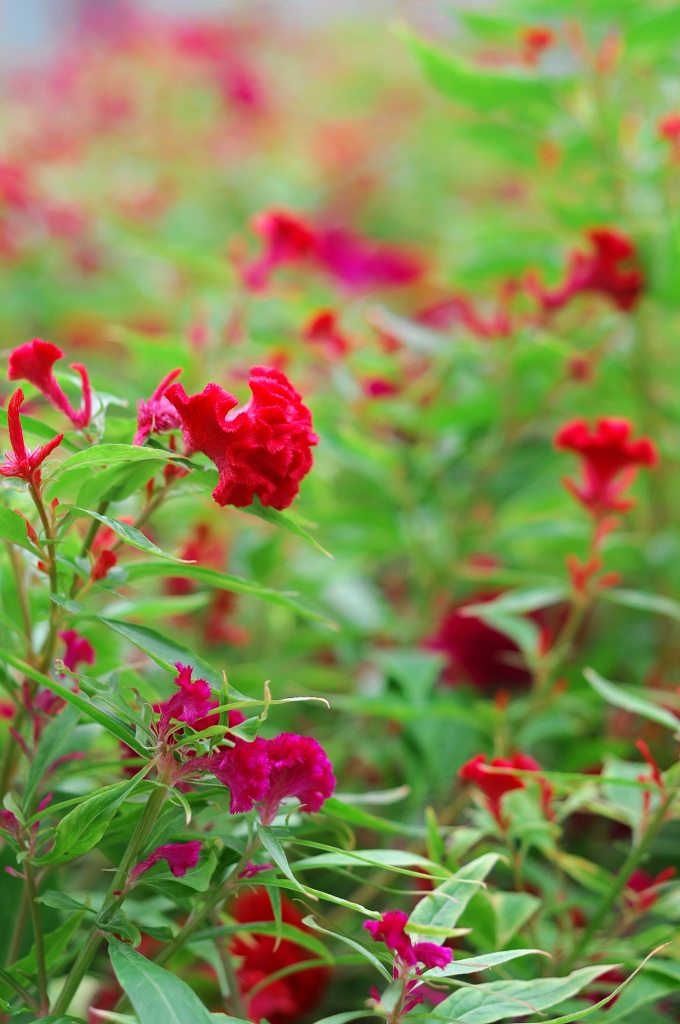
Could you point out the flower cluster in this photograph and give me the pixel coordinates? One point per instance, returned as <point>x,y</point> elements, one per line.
<point>258,773</point>
<point>409,957</point>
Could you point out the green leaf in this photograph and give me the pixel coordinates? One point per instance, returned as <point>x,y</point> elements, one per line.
<point>84,826</point>
<point>511,910</point>
<point>484,90</point>
<point>224,581</point>
<point>622,697</point>
<point>270,515</point>
<point>443,907</point>
<point>56,944</point>
<point>396,859</point>
<point>54,742</point>
<point>518,602</point>
<point>157,996</point>
<point>60,1020</point>
<point>345,1018</point>
<point>654,29</point>
<point>127,533</point>
<point>275,850</point>
<point>499,1000</point>
<point>643,602</point>
<point>13,529</point>
<point>112,724</point>
<point>105,454</point>
<point>473,964</point>
<point>366,953</point>
<point>60,901</point>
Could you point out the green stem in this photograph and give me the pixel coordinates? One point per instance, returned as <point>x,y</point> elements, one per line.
<point>627,868</point>
<point>237,1004</point>
<point>37,937</point>
<point>140,838</point>
<point>19,929</point>
<point>7,979</point>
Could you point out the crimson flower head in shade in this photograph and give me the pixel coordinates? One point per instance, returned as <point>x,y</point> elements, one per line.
<point>245,768</point>
<point>285,1000</point>
<point>493,784</point>
<point>477,653</point>
<point>193,702</point>
<point>323,329</point>
<point>262,449</point>
<point>535,40</point>
<point>606,270</point>
<point>78,649</point>
<point>642,889</point>
<point>299,767</point>
<point>610,460</point>
<point>34,361</point>
<point>156,415</point>
<point>21,462</point>
<point>668,129</point>
<point>286,238</point>
<point>179,856</point>
<point>361,264</point>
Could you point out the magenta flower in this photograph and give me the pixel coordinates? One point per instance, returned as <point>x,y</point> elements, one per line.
<point>299,767</point>
<point>193,702</point>
<point>245,769</point>
<point>78,649</point>
<point>156,415</point>
<point>179,856</point>
<point>22,462</point>
<point>262,449</point>
<point>34,361</point>
<point>362,264</point>
<point>390,929</point>
<point>286,237</point>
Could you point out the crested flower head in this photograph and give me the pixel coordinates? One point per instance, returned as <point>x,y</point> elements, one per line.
<point>262,449</point>
<point>610,460</point>
<point>156,415</point>
<point>179,856</point>
<point>391,929</point>
<point>494,783</point>
<point>323,329</point>
<point>78,649</point>
<point>361,264</point>
<point>21,462</point>
<point>289,998</point>
<point>34,361</point>
<point>286,238</point>
<point>300,768</point>
<point>193,702</point>
<point>245,768</point>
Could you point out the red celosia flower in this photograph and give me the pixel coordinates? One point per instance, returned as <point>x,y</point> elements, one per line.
<point>287,238</point>
<point>105,561</point>
<point>299,767</point>
<point>34,361</point>
<point>263,449</point>
<point>476,652</point>
<point>21,461</point>
<point>642,889</point>
<point>460,311</point>
<point>193,702</point>
<point>78,649</point>
<point>323,329</point>
<point>493,784</point>
<point>156,415</point>
<point>602,271</point>
<point>361,264</point>
<point>379,387</point>
<point>668,128</point>
<point>535,40</point>
<point>245,769</point>
<point>179,856</point>
<point>610,462</point>
<point>288,999</point>
<point>390,930</point>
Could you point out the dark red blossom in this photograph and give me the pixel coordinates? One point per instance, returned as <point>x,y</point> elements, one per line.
<point>500,776</point>
<point>379,387</point>
<point>535,40</point>
<point>300,768</point>
<point>610,459</point>
<point>642,889</point>
<point>262,449</point>
<point>246,769</point>
<point>78,649</point>
<point>608,269</point>
<point>193,702</point>
<point>286,238</point>
<point>156,415</point>
<point>34,361</point>
<point>390,929</point>
<point>323,329</point>
<point>286,1000</point>
<point>106,560</point>
<point>179,856</point>
<point>362,264</point>
<point>21,462</point>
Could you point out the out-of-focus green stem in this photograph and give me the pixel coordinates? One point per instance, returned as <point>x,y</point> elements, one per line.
<point>37,937</point>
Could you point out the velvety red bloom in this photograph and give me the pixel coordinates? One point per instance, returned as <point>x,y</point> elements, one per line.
<point>642,889</point>
<point>606,270</point>
<point>22,462</point>
<point>245,769</point>
<point>476,652</point>
<point>289,999</point>
<point>179,856</point>
<point>286,237</point>
<point>262,449</point>
<point>535,40</point>
<point>390,929</point>
<point>323,329</point>
<point>300,768</point>
<point>610,459</point>
<point>193,702</point>
<point>362,264</point>
<point>668,128</point>
<point>34,361</point>
<point>156,415</point>
<point>105,561</point>
<point>493,784</point>
<point>78,649</point>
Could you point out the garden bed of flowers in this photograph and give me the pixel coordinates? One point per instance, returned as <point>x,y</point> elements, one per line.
<point>339,561</point>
